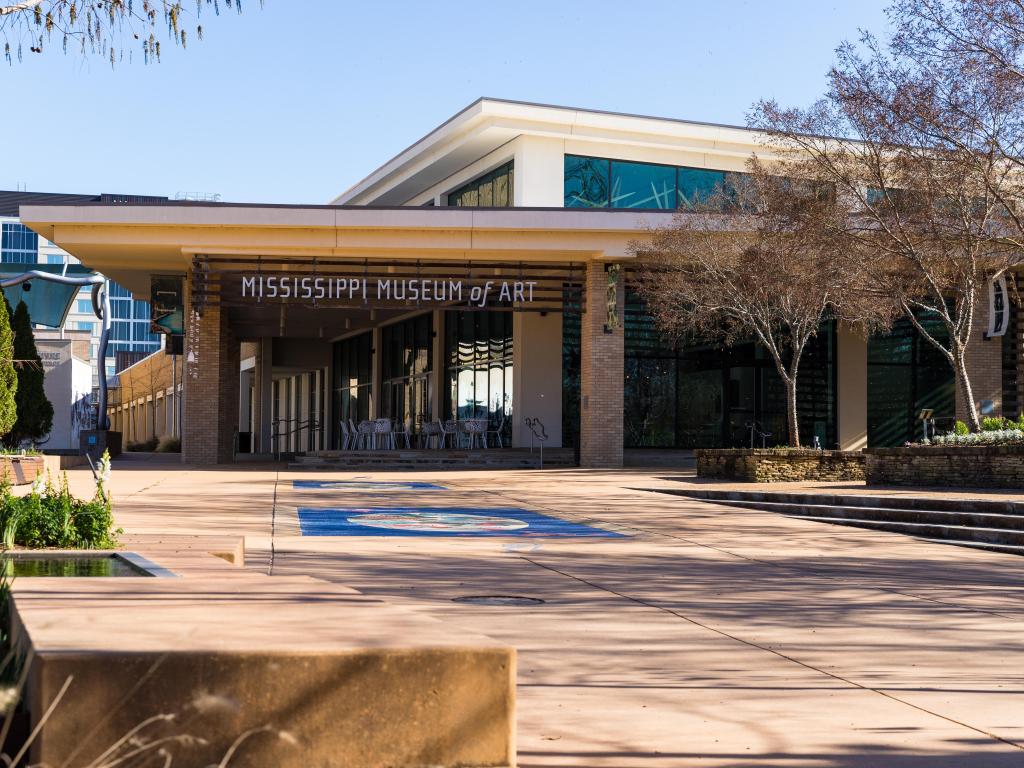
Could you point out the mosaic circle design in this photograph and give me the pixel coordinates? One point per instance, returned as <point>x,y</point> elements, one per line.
<point>438,521</point>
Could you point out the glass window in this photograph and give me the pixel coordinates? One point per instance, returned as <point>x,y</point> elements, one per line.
<point>698,185</point>
<point>642,185</point>
<point>405,371</point>
<point>586,182</point>
<point>905,374</point>
<point>478,368</point>
<point>492,190</point>
<point>353,363</point>
<point>83,306</point>
<point>698,395</point>
<point>1012,405</point>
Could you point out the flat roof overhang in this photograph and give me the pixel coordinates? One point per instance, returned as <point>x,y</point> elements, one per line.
<point>129,243</point>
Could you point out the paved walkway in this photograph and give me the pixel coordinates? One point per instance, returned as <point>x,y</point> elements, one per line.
<point>705,636</point>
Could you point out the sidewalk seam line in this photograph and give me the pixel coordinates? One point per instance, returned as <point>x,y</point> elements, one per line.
<point>751,644</point>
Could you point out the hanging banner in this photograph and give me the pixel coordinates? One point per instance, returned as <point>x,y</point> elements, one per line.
<point>167,305</point>
<point>998,307</point>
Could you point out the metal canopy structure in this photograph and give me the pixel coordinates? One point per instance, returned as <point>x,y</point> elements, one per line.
<point>100,306</point>
<point>313,297</point>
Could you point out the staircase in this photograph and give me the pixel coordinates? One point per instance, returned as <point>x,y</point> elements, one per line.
<point>428,459</point>
<point>987,524</point>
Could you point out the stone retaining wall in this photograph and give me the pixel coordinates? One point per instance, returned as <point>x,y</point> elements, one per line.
<point>777,465</point>
<point>976,466</point>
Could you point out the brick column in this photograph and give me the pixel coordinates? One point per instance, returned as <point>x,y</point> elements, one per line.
<point>601,373</point>
<point>984,364</point>
<point>212,361</point>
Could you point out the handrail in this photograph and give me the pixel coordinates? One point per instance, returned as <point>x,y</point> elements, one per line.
<point>538,433</point>
<point>311,424</point>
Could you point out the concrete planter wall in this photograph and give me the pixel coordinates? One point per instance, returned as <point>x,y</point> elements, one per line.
<point>775,465</point>
<point>976,466</point>
<point>21,470</point>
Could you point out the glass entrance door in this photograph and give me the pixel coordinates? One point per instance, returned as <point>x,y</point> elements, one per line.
<point>407,401</point>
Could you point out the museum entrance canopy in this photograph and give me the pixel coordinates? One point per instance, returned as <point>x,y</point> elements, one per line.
<point>130,243</point>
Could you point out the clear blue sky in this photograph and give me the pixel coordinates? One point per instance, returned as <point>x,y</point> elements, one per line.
<point>295,102</point>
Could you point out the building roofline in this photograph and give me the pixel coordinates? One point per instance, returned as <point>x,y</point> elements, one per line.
<point>479,106</point>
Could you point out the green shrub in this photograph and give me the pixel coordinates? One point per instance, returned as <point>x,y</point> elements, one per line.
<point>995,424</point>
<point>146,446</point>
<point>960,428</point>
<point>50,516</point>
<point>169,445</point>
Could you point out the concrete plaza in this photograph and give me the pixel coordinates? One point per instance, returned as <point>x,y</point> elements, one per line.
<point>703,635</point>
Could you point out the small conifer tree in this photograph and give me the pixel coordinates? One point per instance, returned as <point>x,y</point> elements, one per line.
<point>34,411</point>
<point>8,375</point>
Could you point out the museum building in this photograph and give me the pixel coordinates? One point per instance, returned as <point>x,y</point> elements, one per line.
<point>485,273</point>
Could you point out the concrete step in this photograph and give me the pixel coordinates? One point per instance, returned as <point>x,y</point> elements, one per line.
<point>996,506</point>
<point>950,533</point>
<point>995,525</point>
<point>888,514</point>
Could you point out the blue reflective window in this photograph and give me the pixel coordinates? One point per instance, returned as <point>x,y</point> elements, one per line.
<point>119,291</point>
<point>121,309</point>
<point>83,326</point>
<point>643,185</point>
<point>141,332</point>
<point>698,185</point>
<point>586,182</point>
<point>84,306</point>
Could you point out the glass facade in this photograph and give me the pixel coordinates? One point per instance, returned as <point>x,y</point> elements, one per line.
<point>1011,360</point>
<point>597,182</point>
<point>478,367</point>
<point>18,244</point>
<point>492,190</point>
<point>130,323</point>
<point>703,396</point>
<point>905,374</point>
<point>406,364</point>
<point>353,375</point>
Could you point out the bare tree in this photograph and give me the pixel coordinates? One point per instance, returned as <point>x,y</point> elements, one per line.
<point>107,28</point>
<point>917,152</point>
<point>754,262</point>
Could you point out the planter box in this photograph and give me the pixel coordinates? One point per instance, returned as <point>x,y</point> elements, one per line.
<point>21,470</point>
<point>975,466</point>
<point>778,465</point>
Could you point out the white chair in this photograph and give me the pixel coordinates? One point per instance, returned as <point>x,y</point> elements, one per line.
<point>497,432</point>
<point>431,432</point>
<point>450,432</point>
<point>383,436</point>
<point>405,431</point>
<point>346,436</point>
<point>476,432</point>
<point>365,432</point>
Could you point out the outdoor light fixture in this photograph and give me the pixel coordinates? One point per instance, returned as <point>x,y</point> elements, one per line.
<point>100,305</point>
